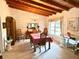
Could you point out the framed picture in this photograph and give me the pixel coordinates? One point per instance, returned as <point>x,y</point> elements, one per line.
<point>32,25</point>
<point>73,24</point>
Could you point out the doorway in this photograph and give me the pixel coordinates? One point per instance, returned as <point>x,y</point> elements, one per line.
<point>11,28</point>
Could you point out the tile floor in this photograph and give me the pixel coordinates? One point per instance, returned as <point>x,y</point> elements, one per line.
<point>23,50</point>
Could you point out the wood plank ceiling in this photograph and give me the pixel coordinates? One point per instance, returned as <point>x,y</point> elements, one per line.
<point>43,7</point>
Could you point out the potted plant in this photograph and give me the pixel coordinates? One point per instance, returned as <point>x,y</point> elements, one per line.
<point>8,41</point>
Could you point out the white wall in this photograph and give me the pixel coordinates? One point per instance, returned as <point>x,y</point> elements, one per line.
<point>23,17</point>
<point>3,13</point>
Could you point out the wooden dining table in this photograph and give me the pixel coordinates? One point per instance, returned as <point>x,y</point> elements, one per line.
<point>35,38</point>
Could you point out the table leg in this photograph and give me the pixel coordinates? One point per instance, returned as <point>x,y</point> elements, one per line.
<point>49,45</point>
<point>34,48</point>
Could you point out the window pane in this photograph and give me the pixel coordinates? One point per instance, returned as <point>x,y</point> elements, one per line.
<point>52,29</point>
<point>52,32</point>
<point>57,33</point>
<point>52,24</point>
<point>57,29</point>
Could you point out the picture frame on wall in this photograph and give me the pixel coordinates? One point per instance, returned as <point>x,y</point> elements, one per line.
<point>73,24</point>
<point>32,25</point>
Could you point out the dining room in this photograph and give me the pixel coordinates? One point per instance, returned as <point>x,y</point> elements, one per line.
<point>23,22</point>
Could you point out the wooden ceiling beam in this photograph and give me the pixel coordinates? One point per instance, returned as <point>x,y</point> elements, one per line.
<point>28,8</point>
<point>43,5</point>
<point>36,6</point>
<point>26,4</point>
<point>73,2</point>
<point>56,4</point>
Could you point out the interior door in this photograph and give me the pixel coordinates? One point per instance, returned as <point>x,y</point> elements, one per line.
<point>11,28</point>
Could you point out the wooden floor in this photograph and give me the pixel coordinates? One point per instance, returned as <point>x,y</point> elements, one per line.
<point>23,50</point>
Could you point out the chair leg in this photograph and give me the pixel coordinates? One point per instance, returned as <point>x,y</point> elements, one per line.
<point>40,48</point>
<point>34,48</point>
<point>31,42</point>
<point>45,47</point>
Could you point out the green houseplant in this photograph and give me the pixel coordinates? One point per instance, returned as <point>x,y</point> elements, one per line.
<point>8,41</point>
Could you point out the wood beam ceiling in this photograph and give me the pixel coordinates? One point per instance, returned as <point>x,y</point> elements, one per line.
<point>29,8</point>
<point>73,2</point>
<point>36,6</point>
<point>42,7</point>
<point>52,2</point>
<point>62,2</point>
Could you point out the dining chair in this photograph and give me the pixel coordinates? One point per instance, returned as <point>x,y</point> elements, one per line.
<point>42,41</point>
<point>77,49</point>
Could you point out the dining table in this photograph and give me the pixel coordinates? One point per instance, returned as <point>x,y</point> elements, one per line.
<point>35,38</point>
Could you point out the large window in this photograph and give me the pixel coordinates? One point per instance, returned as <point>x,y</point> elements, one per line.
<point>54,28</point>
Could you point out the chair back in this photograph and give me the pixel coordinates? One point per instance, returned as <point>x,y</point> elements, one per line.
<point>42,35</point>
<point>42,39</point>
